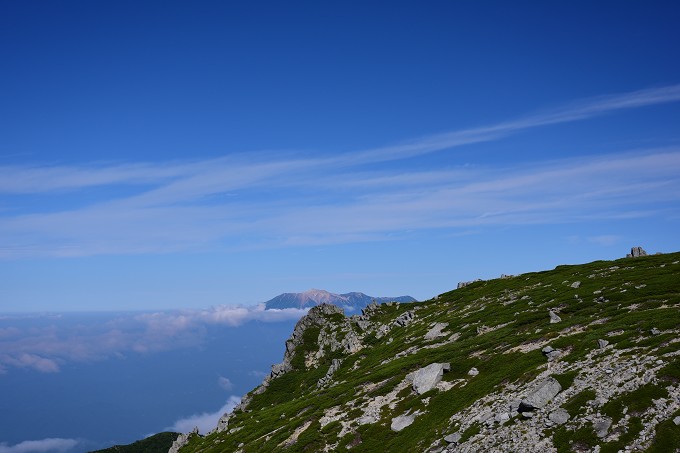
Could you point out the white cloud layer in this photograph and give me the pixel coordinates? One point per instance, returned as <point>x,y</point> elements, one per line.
<point>43,349</point>
<point>39,446</point>
<point>206,421</point>
<point>269,200</point>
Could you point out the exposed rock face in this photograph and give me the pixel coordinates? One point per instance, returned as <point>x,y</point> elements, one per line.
<point>182,440</point>
<point>539,397</point>
<point>335,365</point>
<point>315,317</point>
<point>426,378</point>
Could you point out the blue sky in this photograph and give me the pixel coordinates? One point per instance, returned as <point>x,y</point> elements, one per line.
<point>167,154</point>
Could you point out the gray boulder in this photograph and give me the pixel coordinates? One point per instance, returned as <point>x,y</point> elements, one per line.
<point>453,438</point>
<point>602,343</point>
<point>559,416</point>
<point>541,394</point>
<point>401,422</point>
<point>426,378</point>
<point>576,284</point>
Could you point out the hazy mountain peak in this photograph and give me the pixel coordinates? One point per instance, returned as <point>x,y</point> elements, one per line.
<point>353,301</point>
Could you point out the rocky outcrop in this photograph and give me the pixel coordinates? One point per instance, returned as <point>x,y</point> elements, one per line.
<point>317,316</point>
<point>464,284</point>
<point>182,440</point>
<point>636,252</point>
<point>405,319</point>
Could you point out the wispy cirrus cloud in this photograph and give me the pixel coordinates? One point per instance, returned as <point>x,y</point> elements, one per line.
<point>272,200</point>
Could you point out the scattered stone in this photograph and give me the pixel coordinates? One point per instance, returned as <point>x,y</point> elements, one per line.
<point>502,418</point>
<point>553,317</point>
<point>426,378</point>
<point>601,427</point>
<point>676,420</point>
<point>551,353</point>
<point>576,284</point>
<point>401,422</point>
<point>559,416</point>
<point>436,331</point>
<point>602,343</point>
<point>473,371</point>
<point>454,438</point>
<point>539,397</point>
<point>655,331</point>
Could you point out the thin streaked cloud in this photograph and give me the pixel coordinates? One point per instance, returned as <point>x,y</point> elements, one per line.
<point>270,200</point>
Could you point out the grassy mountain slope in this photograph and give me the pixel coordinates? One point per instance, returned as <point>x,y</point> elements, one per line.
<point>158,443</point>
<point>347,382</point>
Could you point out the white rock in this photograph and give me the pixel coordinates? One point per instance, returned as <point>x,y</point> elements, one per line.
<point>553,317</point>
<point>473,372</point>
<point>576,284</point>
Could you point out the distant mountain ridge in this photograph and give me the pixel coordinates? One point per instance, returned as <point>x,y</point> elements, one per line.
<point>354,301</point>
